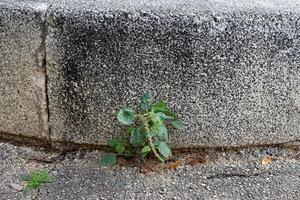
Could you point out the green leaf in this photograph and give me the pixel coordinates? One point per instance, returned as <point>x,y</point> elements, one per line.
<point>170,114</point>
<point>36,179</point>
<point>160,106</point>
<point>165,149</point>
<point>154,128</point>
<point>120,148</point>
<point>155,118</point>
<point>113,143</point>
<point>177,124</point>
<point>108,159</point>
<point>145,150</point>
<point>145,105</point>
<point>136,137</point>
<point>117,145</point>
<point>155,121</point>
<point>150,134</point>
<point>163,133</point>
<point>162,116</point>
<point>130,129</point>
<point>146,96</point>
<point>156,142</point>
<point>126,116</point>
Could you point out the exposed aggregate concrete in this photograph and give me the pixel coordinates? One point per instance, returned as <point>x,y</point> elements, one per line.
<point>233,175</point>
<point>229,68</point>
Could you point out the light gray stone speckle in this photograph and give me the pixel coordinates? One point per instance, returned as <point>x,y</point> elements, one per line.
<point>239,175</point>
<point>232,74</point>
<point>22,83</point>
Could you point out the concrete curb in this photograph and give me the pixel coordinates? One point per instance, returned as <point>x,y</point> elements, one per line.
<point>23,108</point>
<point>231,70</point>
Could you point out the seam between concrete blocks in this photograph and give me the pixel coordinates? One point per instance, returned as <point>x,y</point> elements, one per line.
<point>46,110</point>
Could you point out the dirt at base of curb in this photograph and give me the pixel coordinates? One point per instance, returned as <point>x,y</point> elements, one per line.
<point>182,156</point>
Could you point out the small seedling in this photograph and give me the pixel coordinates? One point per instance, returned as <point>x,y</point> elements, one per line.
<point>147,132</point>
<point>36,179</point>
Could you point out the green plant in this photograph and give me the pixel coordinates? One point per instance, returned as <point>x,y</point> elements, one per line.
<point>147,132</point>
<point>36,179</point>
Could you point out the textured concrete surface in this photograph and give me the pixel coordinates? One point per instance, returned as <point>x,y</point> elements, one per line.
<point>23,107</point>
<point>233,175</point>
<point>230,69</point>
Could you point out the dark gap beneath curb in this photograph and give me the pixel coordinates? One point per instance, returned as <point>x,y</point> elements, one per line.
<point>182,156</point>
<point>59,146</point>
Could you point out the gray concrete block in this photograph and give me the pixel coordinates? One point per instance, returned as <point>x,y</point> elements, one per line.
<point>230,69</point>
<point>23,107</point>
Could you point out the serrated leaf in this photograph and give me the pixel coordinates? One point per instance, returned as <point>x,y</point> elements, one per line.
<point>160,106</point>
<point>177,124</point>
<point>145,105</point>
<point>170,114</point>
<point>162,133</point>
<point>165,149</point>
<point>145,150</point>
<point>120,148</point>
<point>162,116</point>
<point>136,137</point>
<point>126,116</point>
<point>108,159</point>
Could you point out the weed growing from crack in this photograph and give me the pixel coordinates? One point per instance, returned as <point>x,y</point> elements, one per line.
<point>147,132</point>
<point>36,179</point>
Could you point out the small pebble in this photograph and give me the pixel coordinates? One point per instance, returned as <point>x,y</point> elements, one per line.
<point>16,187</point>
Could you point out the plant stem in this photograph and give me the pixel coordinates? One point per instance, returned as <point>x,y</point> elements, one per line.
<point>149,138</point>
<point>152,147</point>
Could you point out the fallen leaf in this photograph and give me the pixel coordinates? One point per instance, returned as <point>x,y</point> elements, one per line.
<point>174,165</point>
<point>196,161</point>
<point>267,160</point>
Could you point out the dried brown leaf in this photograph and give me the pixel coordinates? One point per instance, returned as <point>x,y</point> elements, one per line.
<point>174,165</point>
<point>266,160</point>
<point>196,161</point>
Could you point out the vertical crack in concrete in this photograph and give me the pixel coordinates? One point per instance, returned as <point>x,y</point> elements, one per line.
<point>42,54</point>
